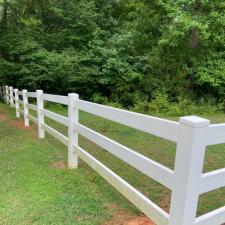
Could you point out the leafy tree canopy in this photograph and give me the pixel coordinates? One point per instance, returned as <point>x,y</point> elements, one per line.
<point>115,49</point>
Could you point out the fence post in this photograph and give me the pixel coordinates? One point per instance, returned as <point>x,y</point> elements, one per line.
<point>25,108</point>
<point>189,163</point>
<point>40,115</point>
<point>6,95</point>
<point>17,103</point>
<point>11,96</point>
<point>73,115</point>
<point>1,93</point>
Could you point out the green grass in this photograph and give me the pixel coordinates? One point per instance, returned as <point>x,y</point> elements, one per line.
<point>32,192</point>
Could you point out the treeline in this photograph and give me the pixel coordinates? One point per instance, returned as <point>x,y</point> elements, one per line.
<point>125,51</point>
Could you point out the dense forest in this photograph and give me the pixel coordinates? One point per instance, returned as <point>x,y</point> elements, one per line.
<point>136,53</point>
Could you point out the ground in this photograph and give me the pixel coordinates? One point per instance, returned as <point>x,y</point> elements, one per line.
<point>37,188</point>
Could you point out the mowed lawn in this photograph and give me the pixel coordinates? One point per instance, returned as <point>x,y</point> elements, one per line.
<point>34,191</point>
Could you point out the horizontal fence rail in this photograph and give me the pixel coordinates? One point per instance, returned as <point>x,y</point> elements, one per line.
<point>60,137</point>
<point>191,134</point>
<point>156,126</point>
<point>138,199</point>
<point>216,217</point>
<point>56,98</point>
<point>20,102</point>
<point>31,106</point>
<point>147,166</point>
<point>216,134</point>
<point>212,180</point>
<point>32,94</point>
<point>56,117</point>
<point>32,118</point>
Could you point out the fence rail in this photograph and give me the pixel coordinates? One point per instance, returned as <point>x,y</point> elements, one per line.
<point>56,98</point>
<point>56,117</point>
<point>191,134</point>
<point>152,125</point>
<point>216,134</point>
<point>31,106</point>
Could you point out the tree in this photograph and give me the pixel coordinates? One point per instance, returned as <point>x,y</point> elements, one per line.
<point>116,50</point>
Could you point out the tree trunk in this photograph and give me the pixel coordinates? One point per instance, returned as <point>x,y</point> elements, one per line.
<point>4,15</point>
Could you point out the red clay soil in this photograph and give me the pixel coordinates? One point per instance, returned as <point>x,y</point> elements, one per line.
<point>20,125</point>
<point>59,165</point>
<point>3,117</point>
<point>122,217</point>
<point>141,220</point>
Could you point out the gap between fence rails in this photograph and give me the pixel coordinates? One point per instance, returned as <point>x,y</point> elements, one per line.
<point>192,134</point>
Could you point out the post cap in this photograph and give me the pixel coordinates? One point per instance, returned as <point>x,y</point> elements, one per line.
<point>73,95</point>
<point>194,121</point>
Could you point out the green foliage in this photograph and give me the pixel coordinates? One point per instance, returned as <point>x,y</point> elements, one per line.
<point>116,51</point>
<point>161,106</point>
<point>33,189</point>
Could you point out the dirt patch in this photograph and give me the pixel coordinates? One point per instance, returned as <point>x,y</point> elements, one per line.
<point>165,203</point>
<point>122,217</point>
<point>119,215</point>
<point>2,110</point>
<point>141,220</point>
<point>3,114</point>
<point>59,165</point>
<point>20,125</point>
<point>3,117</point>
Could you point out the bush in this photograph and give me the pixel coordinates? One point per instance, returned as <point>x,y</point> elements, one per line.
<point>98,98</point>
<point>160,104</point>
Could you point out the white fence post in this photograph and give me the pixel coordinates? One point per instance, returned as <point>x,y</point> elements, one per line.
<point>7,91</point>
<point>17,103</point>
<point>11,96</point>
<point>40,115</point>
<point>4,91</point>
<point>189,163</point>
<point>1,93</point>
<point>6,95</point>
<point>25,108</point>
<point>73,115</point>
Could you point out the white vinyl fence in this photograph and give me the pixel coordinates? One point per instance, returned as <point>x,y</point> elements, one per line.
<point>192,134</point>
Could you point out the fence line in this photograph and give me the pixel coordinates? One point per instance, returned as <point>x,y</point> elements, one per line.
<point>191,134</point>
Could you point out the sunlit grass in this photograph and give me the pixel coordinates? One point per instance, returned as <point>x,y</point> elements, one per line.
<point>33,192</point>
